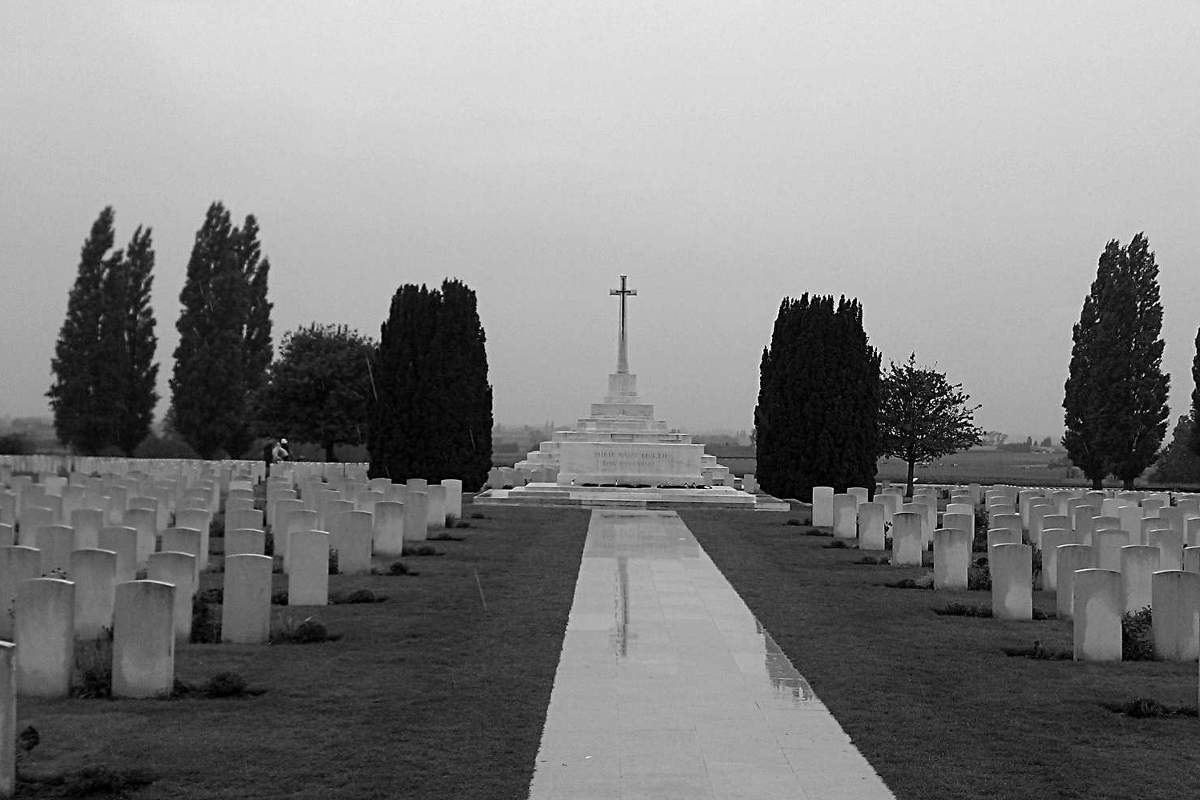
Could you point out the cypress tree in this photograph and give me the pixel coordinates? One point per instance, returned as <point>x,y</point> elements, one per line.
<point>816,422</point>
<point>467,396</point>
<point>432,412</point>
<point>396,439</point>
<point>78,415</point>
<point>1115,397</point>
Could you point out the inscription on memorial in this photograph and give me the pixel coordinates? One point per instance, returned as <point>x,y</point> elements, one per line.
<point>635,461</point>
<point>620,459</point>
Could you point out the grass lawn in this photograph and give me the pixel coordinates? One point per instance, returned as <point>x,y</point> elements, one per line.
<point>425,696</point>
<point>428,696</point>
<point>933,701</point>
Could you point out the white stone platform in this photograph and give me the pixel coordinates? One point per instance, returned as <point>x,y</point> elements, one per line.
<point>553,494</point>
<point>668,688</point>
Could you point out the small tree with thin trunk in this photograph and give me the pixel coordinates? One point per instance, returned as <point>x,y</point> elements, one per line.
<point>923,416</point>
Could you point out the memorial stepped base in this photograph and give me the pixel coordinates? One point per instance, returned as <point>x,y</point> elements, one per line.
<point>552,494</point>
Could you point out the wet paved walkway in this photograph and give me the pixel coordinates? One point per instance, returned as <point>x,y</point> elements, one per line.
<point>667,687</point>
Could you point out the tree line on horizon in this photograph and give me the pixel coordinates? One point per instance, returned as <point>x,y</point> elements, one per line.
<point>419,399</point>
<point>827,411</point>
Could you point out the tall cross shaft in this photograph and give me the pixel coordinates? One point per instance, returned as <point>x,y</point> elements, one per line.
<point>622,346</point>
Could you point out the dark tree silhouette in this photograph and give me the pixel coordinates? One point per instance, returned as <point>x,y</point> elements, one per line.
<point>103,395</point>
<point>432,414</point>
<point>1115,397</point>
<point>224,337</point>
<point>816,422</point>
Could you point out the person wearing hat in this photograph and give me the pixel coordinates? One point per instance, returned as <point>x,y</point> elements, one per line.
<point>274,451</point>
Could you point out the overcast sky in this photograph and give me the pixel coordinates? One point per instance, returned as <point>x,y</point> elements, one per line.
<point>956,166</point>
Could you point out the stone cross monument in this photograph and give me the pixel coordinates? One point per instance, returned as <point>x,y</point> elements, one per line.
<point>622,346</point>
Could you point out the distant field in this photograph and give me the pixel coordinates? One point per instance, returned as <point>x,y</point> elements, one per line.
<point>987,466</point>
<point>981,466</point>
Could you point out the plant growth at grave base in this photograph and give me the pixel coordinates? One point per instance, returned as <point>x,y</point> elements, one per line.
<point>818,398</point>
<point>224,336</point>
<point>432,403</point>
<point>1148,707</point>
<point>1137,635</point>
<point>319,389</point>
<point>922,416</point>
<point>1115,397</point>
<point>103,394</point>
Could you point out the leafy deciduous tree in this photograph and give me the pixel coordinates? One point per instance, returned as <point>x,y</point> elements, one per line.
<point>923,416</point>
<point>319,389</point>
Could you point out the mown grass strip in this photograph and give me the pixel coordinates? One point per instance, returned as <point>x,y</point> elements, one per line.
<point>425,695</point>
<point>933,701</point>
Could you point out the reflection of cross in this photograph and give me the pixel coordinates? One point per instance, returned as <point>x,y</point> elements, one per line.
<point>622,350</point>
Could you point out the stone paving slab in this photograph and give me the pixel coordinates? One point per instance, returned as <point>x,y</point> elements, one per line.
<point>668,688</point>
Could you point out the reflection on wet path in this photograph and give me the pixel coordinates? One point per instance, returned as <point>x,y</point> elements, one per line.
<point>668,687</point>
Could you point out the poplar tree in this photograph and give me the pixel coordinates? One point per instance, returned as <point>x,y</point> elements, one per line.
<point>432,404</point>
<point>257,347</point>
<point>139,372</point>
<point>1083,397</point>
<point>816,422</point>
<point>72,394</point>
<point>103,395</point>
<point>1115,397</point>
<point>224,336</point>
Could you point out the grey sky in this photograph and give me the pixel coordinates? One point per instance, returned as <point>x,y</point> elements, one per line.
<point>956,166</point>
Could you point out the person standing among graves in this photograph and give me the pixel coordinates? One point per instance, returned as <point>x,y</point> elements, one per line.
<point>268,455</point>
<point>280,452</point>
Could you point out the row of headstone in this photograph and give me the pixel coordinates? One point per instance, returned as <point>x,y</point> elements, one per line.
<point>98,556</point>
<point>255,470</point>
<point>1104,556</point>
<point>512,477</point>
<point>143,637</point>
<point>1087,557</point>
